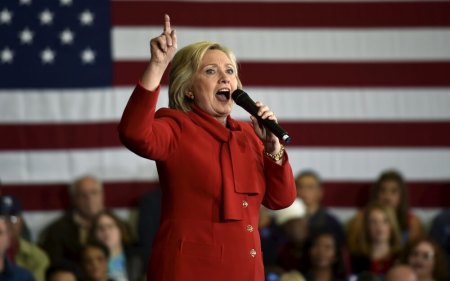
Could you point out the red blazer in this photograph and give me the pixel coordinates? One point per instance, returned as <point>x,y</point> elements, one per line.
<point>213,181</point>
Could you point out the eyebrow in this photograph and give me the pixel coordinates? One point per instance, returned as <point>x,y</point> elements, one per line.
<point>216,65</point>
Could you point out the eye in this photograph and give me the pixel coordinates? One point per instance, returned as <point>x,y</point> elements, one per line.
<point>230,71</point>
<point>210,71</point>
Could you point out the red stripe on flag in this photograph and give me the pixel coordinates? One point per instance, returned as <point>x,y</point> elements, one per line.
<point>58,136</point>
<point>305,134</point>
<point>369,134</point>
<point>126,194</point>
<point>56,196</point>
<point>320,74</point>
<point>276,14</point>
<point>356,194</point>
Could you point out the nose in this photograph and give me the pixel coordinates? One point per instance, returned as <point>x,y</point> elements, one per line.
<point>224,79</point>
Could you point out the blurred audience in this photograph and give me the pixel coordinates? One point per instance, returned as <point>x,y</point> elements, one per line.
<point>64,238</point>
<point>63,271</point>
<point>440,230</point>
<point>309,189</point>
<point>401,273</point>
<point>124,263</point>
<point>428,260</point>
<point>380,243</point>
<point>324,259</point>
<point>292,276</point>
<point>294,228</point>
<point>390,191</point>
<point>271,241</point>
<point>21,251</point>
<point>367,276</point>
<point>8,270</point>
<point>149,214</point>
<point>94,262</point>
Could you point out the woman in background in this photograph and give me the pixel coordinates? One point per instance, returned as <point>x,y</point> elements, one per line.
<point>124,264</point>
<point>428,260</point>
<point>390,191</point>
<point>378,247</point>
<point>324,260</point>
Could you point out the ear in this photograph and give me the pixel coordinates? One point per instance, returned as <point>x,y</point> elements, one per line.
<point>189,94</point>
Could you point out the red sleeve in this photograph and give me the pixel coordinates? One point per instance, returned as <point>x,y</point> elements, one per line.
<point>280,184</point>
<point>140,132</point>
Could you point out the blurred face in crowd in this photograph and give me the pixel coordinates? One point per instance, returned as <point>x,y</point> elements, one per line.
<point>95,264</point>
<point>108,232</point>
<point>389,194</point>
<point>401,273</point>
<point>309,190</point>
<point>17,225</point>
<point>213,84</point>
<point>378,226</point>
<point>296,230</point>
<point>264,217</point>
<point>88,197</point>
<point>323,252</point>
<point>4,236</point>
<point>62,276</point>
<point>421,259</point>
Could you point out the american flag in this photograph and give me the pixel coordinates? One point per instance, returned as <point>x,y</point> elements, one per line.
<point>362,86</point>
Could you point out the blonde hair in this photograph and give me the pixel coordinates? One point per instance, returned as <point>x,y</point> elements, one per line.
<point>184,65</point>
<point>293,275</point>
<point>363,245</point>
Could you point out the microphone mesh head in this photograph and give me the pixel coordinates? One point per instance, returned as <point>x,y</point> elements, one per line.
<point>237,95</point>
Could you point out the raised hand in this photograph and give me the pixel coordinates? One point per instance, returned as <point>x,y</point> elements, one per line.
<point>162,49</point>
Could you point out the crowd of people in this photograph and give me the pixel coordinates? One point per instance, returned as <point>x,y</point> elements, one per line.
<point>88,242</point>
<point>305,241</point>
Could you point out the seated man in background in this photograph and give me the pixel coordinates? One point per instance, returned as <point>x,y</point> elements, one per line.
<point>294,228</point>
<point>440,231</point>
<point>9,271</point>
<point>310,190</point>
<point>22,252</point>
<point>64,238</point>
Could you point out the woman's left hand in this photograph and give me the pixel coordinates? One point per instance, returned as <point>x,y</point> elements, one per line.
<point>271,142</point>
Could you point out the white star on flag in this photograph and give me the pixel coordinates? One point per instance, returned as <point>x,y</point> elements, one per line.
<point>26,36</point>
<point>86,17</point>
<point>65,2</point>
<point>6,55</point>
<point>5,16</point>
<point>66,37</point>
<point>48,56</point>
<point>88,56</point>
<point>25,2</point>
<point>46,17</point>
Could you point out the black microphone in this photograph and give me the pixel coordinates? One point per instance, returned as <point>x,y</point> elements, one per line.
<point>242,99</point>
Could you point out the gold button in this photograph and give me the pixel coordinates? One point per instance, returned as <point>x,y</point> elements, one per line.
<point>253,253</point>
<point>244,204</point>
<point>249,228</point>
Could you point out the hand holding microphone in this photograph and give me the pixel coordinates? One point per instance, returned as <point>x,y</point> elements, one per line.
<point>242,99</point>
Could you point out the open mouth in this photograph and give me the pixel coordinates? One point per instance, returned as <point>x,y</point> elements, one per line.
<point>223,95</point>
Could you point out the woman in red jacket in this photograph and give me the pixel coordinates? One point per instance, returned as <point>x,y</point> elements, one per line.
<point>214,171</point>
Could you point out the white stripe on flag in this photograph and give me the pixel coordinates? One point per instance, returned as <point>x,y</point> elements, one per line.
<point>121,165</point>
<point>358,104</point>
<point>295,44</point>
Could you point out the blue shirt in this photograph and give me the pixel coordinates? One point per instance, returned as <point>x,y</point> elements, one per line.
<point>13,272</point>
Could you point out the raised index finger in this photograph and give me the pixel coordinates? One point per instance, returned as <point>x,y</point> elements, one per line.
<point>167,28</point>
